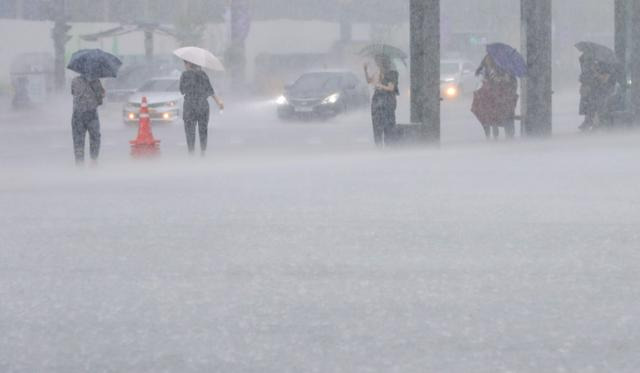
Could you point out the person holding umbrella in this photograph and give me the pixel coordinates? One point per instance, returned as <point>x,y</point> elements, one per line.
<point>599,67</point>
<point>385,83</point>
<point>88,94</point>
<point>196,88</point>
<point>494,104</point>
<point>384,102</point>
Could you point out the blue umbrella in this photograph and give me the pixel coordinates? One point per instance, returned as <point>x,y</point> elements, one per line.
<point>508,59</point>
<point>95,63</point>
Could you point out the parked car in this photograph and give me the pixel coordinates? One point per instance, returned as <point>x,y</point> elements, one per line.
<point>163,99</point>
<point>323,94</point>
<point>135,71</point>
<point>457,77</point>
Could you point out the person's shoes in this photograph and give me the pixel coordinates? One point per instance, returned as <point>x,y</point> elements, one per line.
<point>585,126</point>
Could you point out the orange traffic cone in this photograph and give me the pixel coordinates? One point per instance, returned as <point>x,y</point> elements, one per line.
<point>144,145</point>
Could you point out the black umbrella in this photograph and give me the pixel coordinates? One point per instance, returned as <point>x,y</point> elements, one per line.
<point>386,50</point>
<point>598,52</point>
<point>95,63</point>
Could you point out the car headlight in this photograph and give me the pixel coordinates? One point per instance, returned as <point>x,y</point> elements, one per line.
<point>282,100</point>
<point>451,91</point>
<point>331,99</point>
<point>172,103</point>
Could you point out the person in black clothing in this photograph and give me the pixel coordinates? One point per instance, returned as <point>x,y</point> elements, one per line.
<point>196,88</point>
<point>384,103</point>
<point>88,94</point>
<point>597,85</point>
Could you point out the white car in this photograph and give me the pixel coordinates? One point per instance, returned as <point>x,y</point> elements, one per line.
<point>457,77</point>
<point>163,99</point>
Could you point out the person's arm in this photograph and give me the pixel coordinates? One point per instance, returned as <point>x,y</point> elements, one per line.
<point>101,90</point>
<point>390,86</point>
<point>368,77</point>
<point>212,93</point>
<point>218,101</point>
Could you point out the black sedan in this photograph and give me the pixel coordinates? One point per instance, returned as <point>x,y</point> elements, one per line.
<point>323,95</point>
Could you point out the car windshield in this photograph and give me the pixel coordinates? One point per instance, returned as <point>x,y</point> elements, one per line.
<point>449,68</point>
<point>161,85</point>
<point>317,81</point>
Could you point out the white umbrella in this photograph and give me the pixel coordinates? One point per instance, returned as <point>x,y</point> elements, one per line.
<point>200,57</point>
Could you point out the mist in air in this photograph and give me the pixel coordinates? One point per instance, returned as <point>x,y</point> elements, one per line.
<point>294,239</point>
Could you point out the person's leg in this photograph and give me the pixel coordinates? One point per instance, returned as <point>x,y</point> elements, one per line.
<point>389,135</point>
<point>487,131</point>
<point>510,129</point>
<point>496,131</point>
<point>589,116</point>
<point>78,132</point>
<point>378,127</point>
<point>203,131</point>
<point>190,132</point>
<point>378,134</point>
<point>93,127</point>
<point>390,123</point>
<point>377,121</point>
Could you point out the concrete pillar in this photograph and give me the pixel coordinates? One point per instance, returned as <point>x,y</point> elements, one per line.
<point>633,58</point>
<point>621,29</point>
<point>417,60</point>
<point>537,86</point>
<point>425,66</point>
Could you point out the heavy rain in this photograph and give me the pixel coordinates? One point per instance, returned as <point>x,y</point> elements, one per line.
<point>319,186</point>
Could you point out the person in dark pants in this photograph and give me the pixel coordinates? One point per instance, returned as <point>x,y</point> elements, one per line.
<point>384,102</point>
<point>88,94</point>
<point>196,88</point>
<point>597,86</point>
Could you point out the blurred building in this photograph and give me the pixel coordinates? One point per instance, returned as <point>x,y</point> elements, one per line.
<point>108,11</point>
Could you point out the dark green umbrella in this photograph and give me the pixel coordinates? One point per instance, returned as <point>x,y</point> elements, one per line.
<point>386,50</point>
<point>598,52</point>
